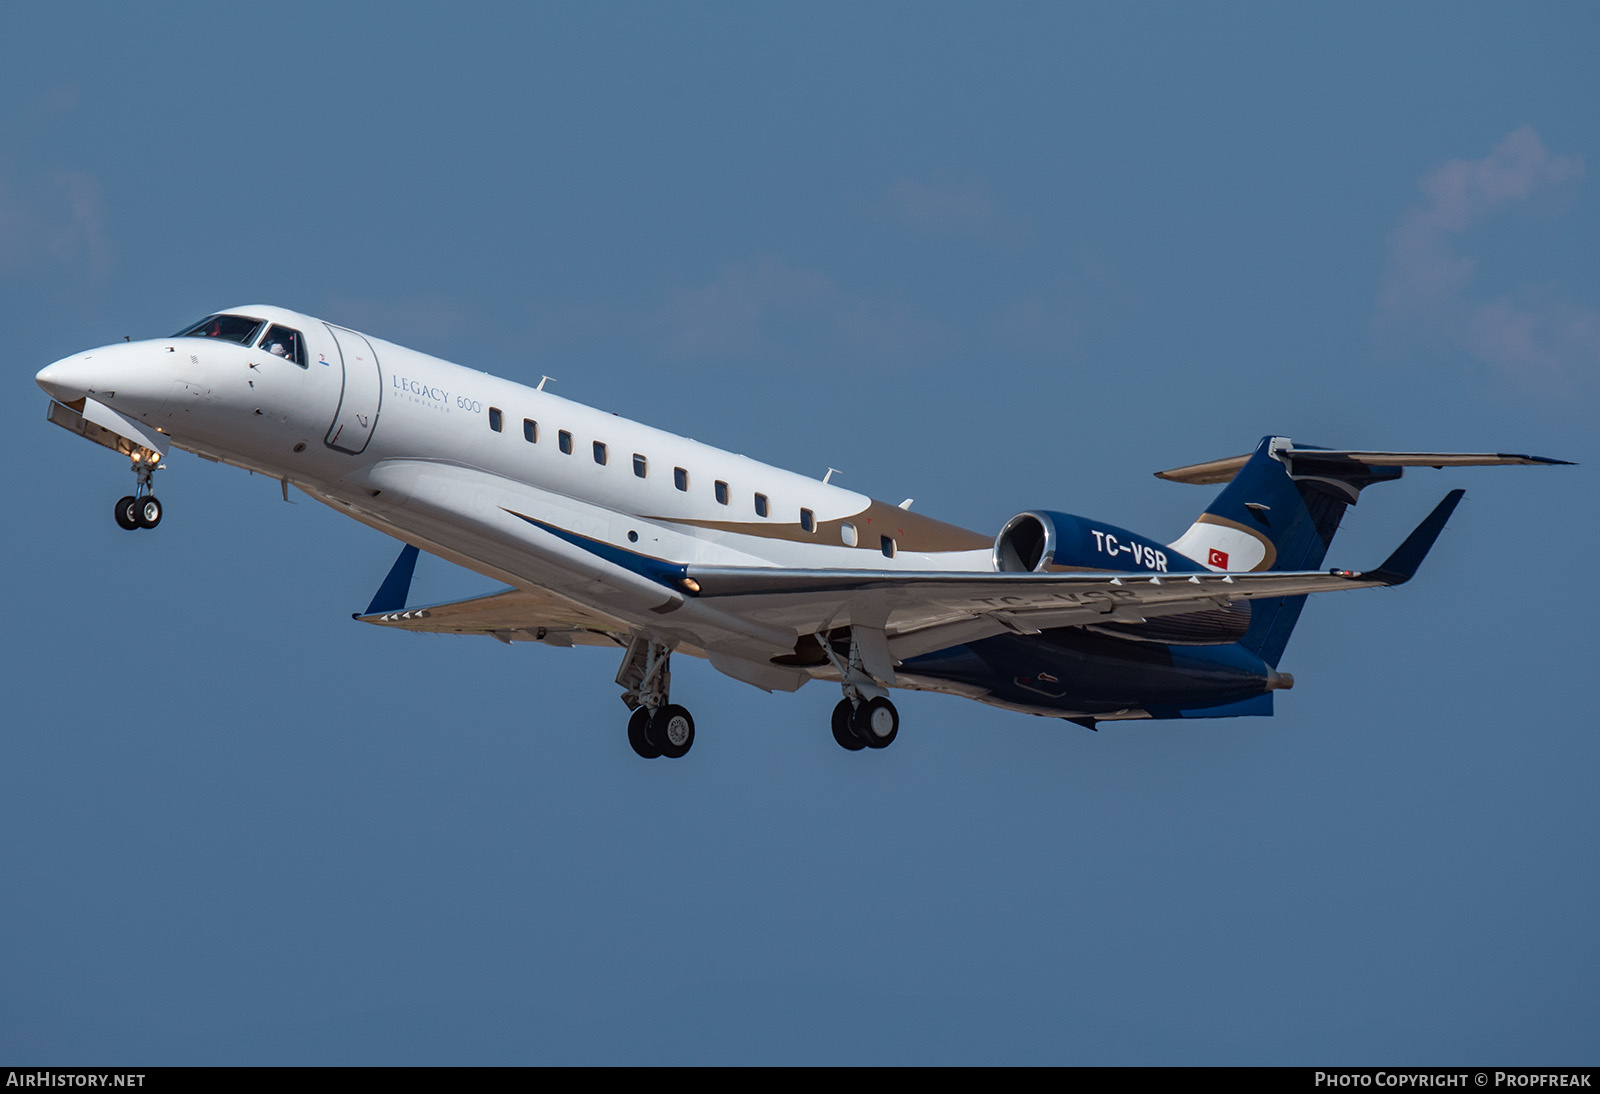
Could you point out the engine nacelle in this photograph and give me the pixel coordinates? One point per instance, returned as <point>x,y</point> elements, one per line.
<point>1039,540</point>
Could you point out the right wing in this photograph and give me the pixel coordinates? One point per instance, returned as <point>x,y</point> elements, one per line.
<point>510,615</point>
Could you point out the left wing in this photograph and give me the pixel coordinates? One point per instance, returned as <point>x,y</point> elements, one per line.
<point>903,603</point>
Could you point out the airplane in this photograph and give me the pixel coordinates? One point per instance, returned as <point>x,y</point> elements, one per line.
<point>608,532</point>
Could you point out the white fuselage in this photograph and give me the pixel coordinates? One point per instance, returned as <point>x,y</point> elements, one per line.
<point>406,443</point>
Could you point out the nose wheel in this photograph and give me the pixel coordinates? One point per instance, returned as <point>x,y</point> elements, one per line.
<point>138,512</point>
<point>140,509</point>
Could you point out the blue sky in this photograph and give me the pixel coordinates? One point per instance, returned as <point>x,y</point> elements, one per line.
<point>993,259</point>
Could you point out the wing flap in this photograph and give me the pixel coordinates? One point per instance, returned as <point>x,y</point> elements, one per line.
<point>907,601</point>
<point>511,615</point>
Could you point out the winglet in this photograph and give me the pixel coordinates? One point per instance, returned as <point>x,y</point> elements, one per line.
<point>1401,566</point>
<point>391,595</point>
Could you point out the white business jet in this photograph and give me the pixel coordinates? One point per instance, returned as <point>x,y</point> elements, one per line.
<point>611,533</point>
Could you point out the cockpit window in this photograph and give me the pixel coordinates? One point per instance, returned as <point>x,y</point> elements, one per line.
<point>286,343</point>
<point>230,328</point>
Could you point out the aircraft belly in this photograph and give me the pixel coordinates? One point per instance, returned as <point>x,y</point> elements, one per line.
<point>1069,671</point>
<point>480,516</point>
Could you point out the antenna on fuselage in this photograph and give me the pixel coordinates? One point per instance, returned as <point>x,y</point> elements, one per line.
<point>832,471</point>
<point>543,380</point>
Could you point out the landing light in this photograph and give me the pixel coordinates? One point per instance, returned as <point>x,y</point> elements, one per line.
<point>691,584</point>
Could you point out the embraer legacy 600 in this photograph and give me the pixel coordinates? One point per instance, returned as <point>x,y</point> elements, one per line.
<point>610,533</point>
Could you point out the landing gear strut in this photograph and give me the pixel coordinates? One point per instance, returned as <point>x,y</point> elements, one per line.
<point>657,727</point>
<point>141,509</point>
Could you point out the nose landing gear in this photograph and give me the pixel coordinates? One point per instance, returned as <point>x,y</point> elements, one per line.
<point>141,509</point>
<point>135,512</point>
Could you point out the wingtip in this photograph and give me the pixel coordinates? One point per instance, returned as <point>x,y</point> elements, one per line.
<point>396,587</point>
<point>1401,566</point>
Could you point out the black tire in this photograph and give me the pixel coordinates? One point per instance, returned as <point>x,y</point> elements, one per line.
<point>148,511</point>
<point>673,729</point>
<point>842,733</point>
<point>876,722</point>
<point>127,517</point>
<point>638,738</point>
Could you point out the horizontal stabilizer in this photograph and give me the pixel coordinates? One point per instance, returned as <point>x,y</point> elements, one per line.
<point>1333,462</point>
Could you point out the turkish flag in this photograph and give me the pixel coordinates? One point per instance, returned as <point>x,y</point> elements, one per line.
<point>1217,558</point>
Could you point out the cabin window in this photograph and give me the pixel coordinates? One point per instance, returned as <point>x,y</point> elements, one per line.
<point>600,453</point>
<point>496,419</point>
<point>230,328</point>
<point>847,533</point>
<point>680,478</point>
<point>564,439</point>
<point>886,544</point>
<point>286,343</point>
<point>761,505</point>
<point>641,466</point>
<point>808,521</point>
<point>720,488</point>
<point>530,430</point>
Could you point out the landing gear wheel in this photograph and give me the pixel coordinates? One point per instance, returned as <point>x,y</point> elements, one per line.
<point>876,722</point>
<point>842,732</point>
<point>638,723</point>
<point>673,730</point>
<point>127,514</point>
<point>148,511</point>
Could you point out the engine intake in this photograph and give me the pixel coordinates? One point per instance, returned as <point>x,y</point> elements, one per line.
<point>1026,544</point>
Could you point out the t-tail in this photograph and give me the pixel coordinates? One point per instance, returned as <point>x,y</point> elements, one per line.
<point>1281,508</point>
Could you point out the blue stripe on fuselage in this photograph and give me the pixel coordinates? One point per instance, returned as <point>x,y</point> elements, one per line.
<point>666,573</point>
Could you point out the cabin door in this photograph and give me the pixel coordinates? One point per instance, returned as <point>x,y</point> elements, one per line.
<point>357,415</point>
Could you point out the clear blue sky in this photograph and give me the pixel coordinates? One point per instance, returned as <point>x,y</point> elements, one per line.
<point>991,258</point>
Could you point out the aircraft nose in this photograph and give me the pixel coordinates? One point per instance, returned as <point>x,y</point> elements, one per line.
<point>69,378</point>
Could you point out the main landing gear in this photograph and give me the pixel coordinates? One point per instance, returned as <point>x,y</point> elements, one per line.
<point>657,727</point>
<point>865,717</point>
<point>140,509</point>
<point>874,723</point>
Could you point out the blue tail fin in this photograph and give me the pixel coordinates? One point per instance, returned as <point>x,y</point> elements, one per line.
<point>1283,504</point>
<point>1277,514</point>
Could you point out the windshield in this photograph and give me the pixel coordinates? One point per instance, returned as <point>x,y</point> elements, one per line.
<point>230,328</point>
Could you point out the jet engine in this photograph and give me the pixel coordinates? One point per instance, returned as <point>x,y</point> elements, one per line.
<point>1041,541</point>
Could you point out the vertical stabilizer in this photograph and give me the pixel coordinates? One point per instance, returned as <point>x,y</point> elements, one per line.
<point>1267,518</point>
